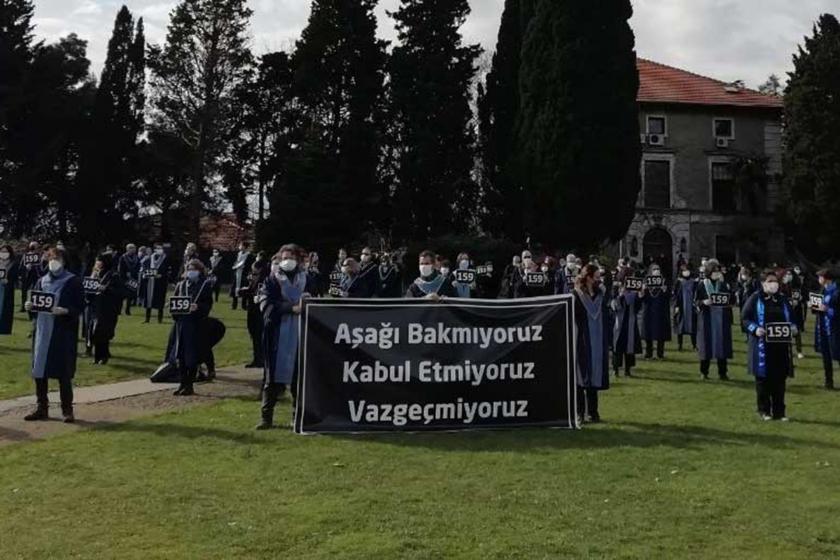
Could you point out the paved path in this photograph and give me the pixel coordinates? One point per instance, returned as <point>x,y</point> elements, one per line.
<point>103,405</point>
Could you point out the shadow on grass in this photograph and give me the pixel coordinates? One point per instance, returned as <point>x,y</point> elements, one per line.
<point>179,431</point>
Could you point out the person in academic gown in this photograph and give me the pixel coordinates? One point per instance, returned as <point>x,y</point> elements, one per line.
<point>128,270</point>
<point>312,266</point>
<point>770,363</point>
<point>657,316</point>
<point>241,268</point>
<point>10,268</point>
<point>353,285</point>
<point>389,280</point>
<point>155,276</point>
<point>189,347</point>
<point>215,273</point>
<point>431,283</point>
<point>747,285</point>
<point>368,269</point>
<point>794,291</point>
<point>259,273</point>
<point>714,323</point>
<point>827,331</point>
<point>685,314</point>
<point>54,340</point>
<point>592,342</point>
<point>107,305</point>
<point>31,274</point>
<point>509,278</point>
<point>521,288</point>
<point>464,290</point>
<point>281,301</point>
<point>627,342</point>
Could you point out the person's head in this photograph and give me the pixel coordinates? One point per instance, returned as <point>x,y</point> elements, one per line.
<point>131,248</point>
<point>216,252</point>
<point>244,246</point>
<point>655,270</point>
<point>34,246</point>
<point>314,259</point>
<point>770,282</point>
<point>104,262</point>
<point>589,278</point>
<point>713,269</point>
<point>463,261</point>
<point>787,276</point>
<point>826,277</point>
<point>426,264</point>
<point>261,256</point>
<point>745,273</point>
<point>366,256</point>
<point>6,253</point>
<point>191,249</point>
<point>385,260</point>
<point>622,262</point>
<point>194,270</point>
<point>350,267</point>
<point>288,258</point>
<point>549,264</point>
<point>517,261</point>
<point>60,245</point>
<point>158,249</point>
<point>56,261</point>
<point>685,270</point>
<point>445,267</point>
<point>797,270</point>
<point>342,255</point>
<point>527,260</point>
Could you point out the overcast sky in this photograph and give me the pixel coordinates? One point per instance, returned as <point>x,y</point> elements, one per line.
<point>725,39</point>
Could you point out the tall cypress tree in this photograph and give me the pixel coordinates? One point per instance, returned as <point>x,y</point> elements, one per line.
<point>107,173</point>
<point>578,132</point>
<point>812,107</point>
<point>331,181</point>
<point>430,94</point>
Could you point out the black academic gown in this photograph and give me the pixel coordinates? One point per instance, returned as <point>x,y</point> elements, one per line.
<point>389,282</point>
<point>190,346</point>
<point>107,308</point>
<point>7,297</point>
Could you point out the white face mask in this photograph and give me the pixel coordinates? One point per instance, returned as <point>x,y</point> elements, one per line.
<point>788,279</point>
<point>56,266</point>
<point>527,261</point>
<point>4,256</point>
<point>288,265</point>
<point>771,288</point>
<point>444,271</point>
<point>464,265</point>
<point>686,274</point>
<point>426,270</point>
<point>717,275</point>
<point>544,269</point>
<point>365,258</point>
<point>656,273</point>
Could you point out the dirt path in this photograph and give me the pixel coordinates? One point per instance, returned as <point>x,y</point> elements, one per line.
<point>113,409</point>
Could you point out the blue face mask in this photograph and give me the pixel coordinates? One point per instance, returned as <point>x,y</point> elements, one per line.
<point>193,275</point>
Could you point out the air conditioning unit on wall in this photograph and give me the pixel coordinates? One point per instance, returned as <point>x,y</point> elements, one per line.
<point>656,140</point>
<point>722,143</point>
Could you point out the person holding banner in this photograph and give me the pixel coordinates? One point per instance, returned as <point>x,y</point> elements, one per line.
<point>389,282</point>
<point>56,299</point>
<point>155,276</point>
<point>281,301</point>
<point>713,300</point>
<point>627,342</point>
<point>657,317</point>
<point>353,285</point>
<point>827,333</point>
<point>8,280</point>
<point>767,318</point>
<point>592,341</point>
<point>190,306</point>
<point>430,284</point>
<point>685,314</point>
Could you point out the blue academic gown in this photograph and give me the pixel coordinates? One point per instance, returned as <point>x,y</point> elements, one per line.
<point>277,297</point>
<point>714,324</point>
<point>763,359</point>
<point>626,331</point>
<point>54,340</point>
<point>686,318</point>
<point>827,333</point>
<point>657,318</point>
<point>7,297</point>
<point>592,341</point>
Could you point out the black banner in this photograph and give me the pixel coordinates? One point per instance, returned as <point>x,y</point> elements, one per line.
<point>419,365</point>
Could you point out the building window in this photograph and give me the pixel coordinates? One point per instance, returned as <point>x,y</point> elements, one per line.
<point>683,245</point>
<point>725,251</point>
<point>724,128</point>
<point>634,247</point>
<point>657,188</point>
<point>723,187</point>
<point>657,125</point>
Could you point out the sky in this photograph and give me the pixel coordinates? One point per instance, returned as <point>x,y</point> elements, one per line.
<point>724,39</point>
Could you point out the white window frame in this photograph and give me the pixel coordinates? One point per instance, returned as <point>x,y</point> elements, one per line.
<point>714,127</point>
<point>713,160</point>
<point>672,160</point>
<point>647,124</point>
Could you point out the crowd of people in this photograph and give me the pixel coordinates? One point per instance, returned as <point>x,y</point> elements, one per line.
<point>622,313</point>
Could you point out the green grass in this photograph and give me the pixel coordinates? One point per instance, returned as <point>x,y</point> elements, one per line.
<point>138,350</point>
<point>680,469</point>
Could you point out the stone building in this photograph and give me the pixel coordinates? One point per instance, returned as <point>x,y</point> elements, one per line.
<point>710,170</point>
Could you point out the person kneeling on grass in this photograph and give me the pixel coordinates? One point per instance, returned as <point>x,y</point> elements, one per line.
<point>281,301</point>
<point>189,343</point>
<point>54,338</point>
<point>770,362</point>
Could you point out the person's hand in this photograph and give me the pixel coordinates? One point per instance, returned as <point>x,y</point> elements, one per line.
<point>28,306</point>
<point>193,307</point>
<point>707,302</point>
<point>297,309</point>
<point>822,308</point>
<point>760,332</point>
<point>306,295</point>
<point>433,297</point>
<point>60,311</point>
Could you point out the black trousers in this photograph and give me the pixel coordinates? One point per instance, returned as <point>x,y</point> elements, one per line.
<point>660,348</point>
<point>159,315</point>
<point>65,391</point>
<point>828,367</point>
<point>271,393</point>
<point>722,365</point>
<point>770,395</point>
<point>680,341</point>
<point>628,360</point>
<point>188,375</point>
<point>587,402</point>
<point>217,289</point>
<point>129,302</point>
<point>102,350</point>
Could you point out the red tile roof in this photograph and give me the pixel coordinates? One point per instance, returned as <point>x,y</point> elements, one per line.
<point>665,84</point>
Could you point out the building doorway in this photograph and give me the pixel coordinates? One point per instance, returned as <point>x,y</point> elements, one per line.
<point>658,247</point>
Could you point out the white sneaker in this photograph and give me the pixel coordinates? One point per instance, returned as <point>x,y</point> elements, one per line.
<point>801,356</point>
<point>766,417</point>
<point>784,419</point>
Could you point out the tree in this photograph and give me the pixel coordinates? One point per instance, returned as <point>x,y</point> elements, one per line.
<point>195,77</point>
<point>812,109</point>
<point>108,170</point>
<point>773,86</point>
<point>578,131</point>
<point>430,94</point>
<point>330,181</point>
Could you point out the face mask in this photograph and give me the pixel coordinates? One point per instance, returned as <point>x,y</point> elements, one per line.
<point>444,271</point>
<point>797,270</point>
<point>464,265</point>
<point>60,247</point>
<point>788,278</point>
<point>288,265</point>
<point>158,252</point>
<point>56,266</point>
<point>192,275</point>
<point>686,273</point>
<point>527,261</point>
<point>345,270</point>
<point>717,275</point>
<point>4,256</point>
<point>570,266</point>
<point>544,269</point>
<point>771,288</point>
<point>426,270</point>
<point>656,273</point>
<point>365,258</point>
<point>215,253</point>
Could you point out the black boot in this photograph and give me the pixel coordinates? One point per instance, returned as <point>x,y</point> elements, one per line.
<point>41,413</point>
<point>67,412</point>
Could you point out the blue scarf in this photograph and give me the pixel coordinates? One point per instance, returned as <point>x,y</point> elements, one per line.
<point>288,332</point>
<point>762,343</point>
<point>430,286</point>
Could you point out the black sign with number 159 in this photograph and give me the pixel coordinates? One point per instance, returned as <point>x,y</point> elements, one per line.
<point>778,332</point>
<point>179,305</point>
<point>42,302</point>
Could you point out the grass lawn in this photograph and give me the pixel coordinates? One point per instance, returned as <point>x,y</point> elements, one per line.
<point>137,348</point>
<point>680,469</point>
